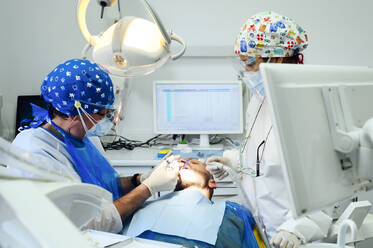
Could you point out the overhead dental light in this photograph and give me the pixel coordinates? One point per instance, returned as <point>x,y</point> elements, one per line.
<point>132,46</point>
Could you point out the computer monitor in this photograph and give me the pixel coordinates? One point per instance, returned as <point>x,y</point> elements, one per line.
<point>198,107</point>
<point>24,110</point>
<point>319,115</point>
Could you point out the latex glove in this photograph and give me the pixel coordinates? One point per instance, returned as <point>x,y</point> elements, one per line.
<point>145,175</point>
<point>214,170</point>
<point>230,158</point>
<point>284,239</point>
<point>164,176</point>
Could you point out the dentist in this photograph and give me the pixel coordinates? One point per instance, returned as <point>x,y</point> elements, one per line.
<point>80,98</point>
<point>269,37</point>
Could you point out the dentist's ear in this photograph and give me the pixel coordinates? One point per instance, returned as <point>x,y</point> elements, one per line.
<point>212,184</point>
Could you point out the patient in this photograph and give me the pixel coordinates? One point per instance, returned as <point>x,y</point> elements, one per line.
<point>188,217</point>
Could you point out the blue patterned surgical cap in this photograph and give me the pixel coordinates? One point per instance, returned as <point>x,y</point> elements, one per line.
<point>78,80</point>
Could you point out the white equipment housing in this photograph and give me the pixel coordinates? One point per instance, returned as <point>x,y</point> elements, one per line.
<point>322,117</point>
<point>323,122</point>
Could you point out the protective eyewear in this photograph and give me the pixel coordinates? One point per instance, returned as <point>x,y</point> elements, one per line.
<point>248,61</point>
<point>108,115</point>
<point>241,64</point>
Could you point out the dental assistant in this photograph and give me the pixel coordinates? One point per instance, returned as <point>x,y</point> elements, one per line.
<point>268,37</point>
<point>80,98</point>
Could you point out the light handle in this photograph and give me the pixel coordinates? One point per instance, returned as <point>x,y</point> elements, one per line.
<point>177,38</point>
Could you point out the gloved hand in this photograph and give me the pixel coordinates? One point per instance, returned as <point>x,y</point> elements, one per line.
<point>230,158</point>
<point>163,176</point>
<point>285,239</point>
<point>145,175</point>
<point>214,170</point>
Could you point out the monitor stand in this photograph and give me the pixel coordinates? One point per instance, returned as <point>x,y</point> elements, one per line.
<point>204,144</point>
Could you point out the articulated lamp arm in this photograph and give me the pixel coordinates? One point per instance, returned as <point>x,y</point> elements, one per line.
<point>82,11</point>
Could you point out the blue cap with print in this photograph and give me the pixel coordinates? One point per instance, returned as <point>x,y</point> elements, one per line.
<point>268,34</point>
<point>78,80</point>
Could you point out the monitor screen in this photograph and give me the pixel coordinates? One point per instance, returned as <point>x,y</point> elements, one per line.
<point>197,107</point>
<point>24,110</point>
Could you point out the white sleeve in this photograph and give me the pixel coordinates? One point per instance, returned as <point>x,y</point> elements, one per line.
<point>108,220</point>
<point>309,228</point>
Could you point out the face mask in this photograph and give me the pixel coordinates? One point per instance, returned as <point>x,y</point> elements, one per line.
<point>101,128</point>
<point>254,82</point>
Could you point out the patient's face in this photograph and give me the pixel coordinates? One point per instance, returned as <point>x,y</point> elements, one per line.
<point>194,174</point>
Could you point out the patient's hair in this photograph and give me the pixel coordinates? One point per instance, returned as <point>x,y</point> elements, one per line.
<point>199,168</point>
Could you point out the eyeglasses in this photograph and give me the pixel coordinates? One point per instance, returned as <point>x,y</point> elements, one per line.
<point>249,61</point>
<point>110,114</point>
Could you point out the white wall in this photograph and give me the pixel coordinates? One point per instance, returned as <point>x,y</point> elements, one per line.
<point>337,30</point>
<point>37,35</point>
<point>340,31</point>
